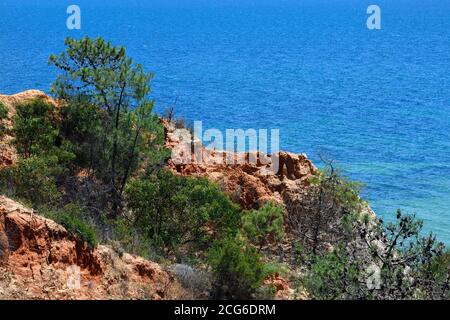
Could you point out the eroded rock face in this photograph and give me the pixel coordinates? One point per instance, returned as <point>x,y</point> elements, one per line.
<point>38,259</point>
<point>249,183</point>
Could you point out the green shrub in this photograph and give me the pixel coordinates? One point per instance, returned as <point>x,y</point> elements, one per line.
<point>264,225</point>
<point>238,269</point>
<point>33,179</point>
<point>3,116</point>
<point>72,218</point>
<point>35,128</point>
<point>331,276</point>
<point>43,156</point>
<point>172,210</point>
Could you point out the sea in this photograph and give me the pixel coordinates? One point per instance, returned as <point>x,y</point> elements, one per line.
<point>376,101</point>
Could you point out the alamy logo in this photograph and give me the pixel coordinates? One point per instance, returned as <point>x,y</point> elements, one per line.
<point>74,20</point>
<point>374,20</point>
<point>373,281</point>
<point>73,277</point>
<point>235,147</point>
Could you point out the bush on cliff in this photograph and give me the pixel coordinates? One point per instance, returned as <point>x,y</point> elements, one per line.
<point>331,276</point>
<point>32,179</point>
<point>36,133</point>
<point>44,156</point>
<point>237,268</point>
<point>172,210</point>
<point>264,225</point>
<point>35,128</point>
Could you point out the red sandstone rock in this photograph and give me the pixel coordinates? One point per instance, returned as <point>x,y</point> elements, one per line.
<point>247,183</point>
<point>282,288</point>
<point>38,257</point>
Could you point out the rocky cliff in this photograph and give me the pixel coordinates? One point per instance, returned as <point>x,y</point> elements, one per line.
<point>39,259</point>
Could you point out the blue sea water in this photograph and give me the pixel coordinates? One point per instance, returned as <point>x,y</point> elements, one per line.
<point>378,102</point>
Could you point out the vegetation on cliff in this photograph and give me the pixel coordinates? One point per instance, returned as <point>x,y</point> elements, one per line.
<point>367,258</point>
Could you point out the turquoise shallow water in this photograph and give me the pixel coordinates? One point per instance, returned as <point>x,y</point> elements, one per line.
<point>376,101</point>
